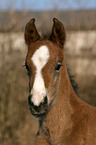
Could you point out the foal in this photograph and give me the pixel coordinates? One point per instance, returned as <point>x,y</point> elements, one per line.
<point>63,118</point>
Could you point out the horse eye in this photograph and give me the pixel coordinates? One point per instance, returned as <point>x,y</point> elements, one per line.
<point>28,71</point>
<point>27,67</point>
<point>58,66</point>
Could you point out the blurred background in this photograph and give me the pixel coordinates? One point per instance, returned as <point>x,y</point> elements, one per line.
<point>17,125</point>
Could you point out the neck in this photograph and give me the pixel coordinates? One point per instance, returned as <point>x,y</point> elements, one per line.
<point>58,119</point>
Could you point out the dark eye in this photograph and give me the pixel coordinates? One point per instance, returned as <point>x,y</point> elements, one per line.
<point>28,71</point>
<point>58,66</point>
<point>27,67</point>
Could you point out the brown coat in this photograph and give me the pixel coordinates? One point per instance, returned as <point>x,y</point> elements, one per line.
<point>68,120</point>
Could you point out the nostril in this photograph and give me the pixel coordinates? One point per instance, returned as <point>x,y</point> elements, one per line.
<point>45,100</point>
<point>29,99</point>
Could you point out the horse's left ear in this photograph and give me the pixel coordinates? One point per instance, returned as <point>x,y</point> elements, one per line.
<point>31,33</point>
<point>58,33</point>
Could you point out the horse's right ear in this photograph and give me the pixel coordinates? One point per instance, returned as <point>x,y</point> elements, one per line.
<point>58,33</point>
<point>31,33</point>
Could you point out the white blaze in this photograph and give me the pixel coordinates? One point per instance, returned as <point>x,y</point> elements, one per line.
<point>39,58</point>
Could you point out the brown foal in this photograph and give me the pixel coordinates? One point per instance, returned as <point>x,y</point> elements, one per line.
<point>64,119</point>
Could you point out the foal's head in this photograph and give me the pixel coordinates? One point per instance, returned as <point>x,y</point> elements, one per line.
<point>44,64</point>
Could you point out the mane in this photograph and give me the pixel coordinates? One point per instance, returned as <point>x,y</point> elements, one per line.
<point>45,36</point>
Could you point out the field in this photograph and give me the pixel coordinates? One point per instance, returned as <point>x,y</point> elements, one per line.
<point>17,125</point>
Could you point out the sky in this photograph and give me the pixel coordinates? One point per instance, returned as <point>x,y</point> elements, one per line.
<point>43,5</point>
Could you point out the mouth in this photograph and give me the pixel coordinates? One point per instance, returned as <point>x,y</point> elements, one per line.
<point>42,109</point>
<point>38,111</point>
<point>37,114</point>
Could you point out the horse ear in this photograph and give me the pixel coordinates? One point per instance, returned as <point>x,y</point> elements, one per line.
<point>31,33</point>
<point>58,33</point>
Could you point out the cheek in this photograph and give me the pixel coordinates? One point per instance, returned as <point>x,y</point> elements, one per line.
<point>53,87</point>
<point>52,92</point>
<point>50,77</point>
<point>55,78</point>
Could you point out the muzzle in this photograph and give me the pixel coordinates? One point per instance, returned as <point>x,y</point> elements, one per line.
<point>38,111</point>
